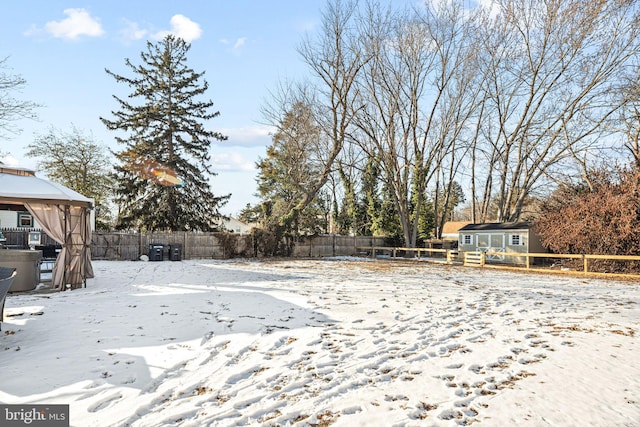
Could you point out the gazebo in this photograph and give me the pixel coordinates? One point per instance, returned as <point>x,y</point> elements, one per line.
<point>62,213</point>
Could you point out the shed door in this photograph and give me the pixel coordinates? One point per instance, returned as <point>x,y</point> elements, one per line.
<point>491,242</point>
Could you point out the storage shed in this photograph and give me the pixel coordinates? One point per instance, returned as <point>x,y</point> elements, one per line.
<point>500,237</point>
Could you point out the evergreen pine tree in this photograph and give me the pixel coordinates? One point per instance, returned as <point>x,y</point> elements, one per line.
<point>285,174</point>
<point>167,124</point>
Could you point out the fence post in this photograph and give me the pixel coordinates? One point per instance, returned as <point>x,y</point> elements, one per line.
<point>184,245</point>
<point>585,263</point>
<point>483,256</point>
<point>527,260</point>
<point>140,253</point>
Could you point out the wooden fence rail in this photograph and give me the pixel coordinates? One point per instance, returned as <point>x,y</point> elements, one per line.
<point>584,257</point>
<point>448,254</point>
<point>474,259</point>
<point>479,259</point>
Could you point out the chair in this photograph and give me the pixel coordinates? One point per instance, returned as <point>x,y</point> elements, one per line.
<point>6,279</point>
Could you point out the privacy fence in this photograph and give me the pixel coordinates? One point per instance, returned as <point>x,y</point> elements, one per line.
<point>18,238</point>
<point>193,245</point>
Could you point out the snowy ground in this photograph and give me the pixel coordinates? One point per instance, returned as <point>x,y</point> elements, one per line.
<point>341,342</point>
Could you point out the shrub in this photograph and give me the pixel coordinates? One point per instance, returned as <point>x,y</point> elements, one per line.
<point>598,217</point>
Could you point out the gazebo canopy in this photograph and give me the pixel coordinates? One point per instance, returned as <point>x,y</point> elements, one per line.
<point>64,215</point>
<point>19,185</point>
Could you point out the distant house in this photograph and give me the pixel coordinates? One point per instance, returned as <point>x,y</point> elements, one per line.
<point>449,238</point>
<point>16,216</point>
<point>234,225</point>
<point>514,237</point>
<point>450,229</point>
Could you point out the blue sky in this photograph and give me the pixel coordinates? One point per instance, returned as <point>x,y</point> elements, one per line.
<point>245,47</point>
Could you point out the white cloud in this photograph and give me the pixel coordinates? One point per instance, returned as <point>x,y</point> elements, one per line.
<point>231,161</point>
<point>240,42</point>
<point>182,27</point>
<point>78,23</point>
<point>248,136</point>
<point>132,31</point>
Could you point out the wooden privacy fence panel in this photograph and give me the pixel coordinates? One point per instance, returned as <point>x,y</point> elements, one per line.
<point>18,238</point>
<point>116,246</point>
<point>203,245</point>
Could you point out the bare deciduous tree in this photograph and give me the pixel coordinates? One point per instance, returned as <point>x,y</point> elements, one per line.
<point>12,108</point>
<point>628,124</point>
<point>334,61</point>
<point>506,100</point>
<point>75,160</point>
<point>418,99</point>
<point>551,70</point>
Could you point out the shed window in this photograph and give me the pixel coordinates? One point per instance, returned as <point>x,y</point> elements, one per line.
<point>466,239</point>
<point>516,240</point>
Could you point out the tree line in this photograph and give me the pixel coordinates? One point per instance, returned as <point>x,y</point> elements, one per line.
<point>407,112</point>
<point>405,116</point>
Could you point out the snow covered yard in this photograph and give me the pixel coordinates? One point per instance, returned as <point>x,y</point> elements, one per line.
<point>341,342</point>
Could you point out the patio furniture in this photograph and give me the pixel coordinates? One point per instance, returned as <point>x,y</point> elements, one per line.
<point>6,278</point>
<point>27,266</point>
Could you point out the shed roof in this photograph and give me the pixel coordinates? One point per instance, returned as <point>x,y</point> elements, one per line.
<point>451,227</point>
<point>496,226</point>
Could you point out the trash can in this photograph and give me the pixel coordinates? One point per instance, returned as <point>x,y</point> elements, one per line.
<point>156,252</point>
<point>175,252</point>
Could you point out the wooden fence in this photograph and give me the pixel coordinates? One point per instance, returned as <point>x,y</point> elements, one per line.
<point>193,245</point>
<point>437,254</point>
<point>585,258</point>
<point>333,245</point>
<point>19,238</point>
<point>131,246</point>
<point>197,245</point>
<point>522,261</point>
<point>474,259</point>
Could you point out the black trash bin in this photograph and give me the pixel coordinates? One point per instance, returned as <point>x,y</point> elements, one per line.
<point>156,252</point>
<point>175,252</point>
